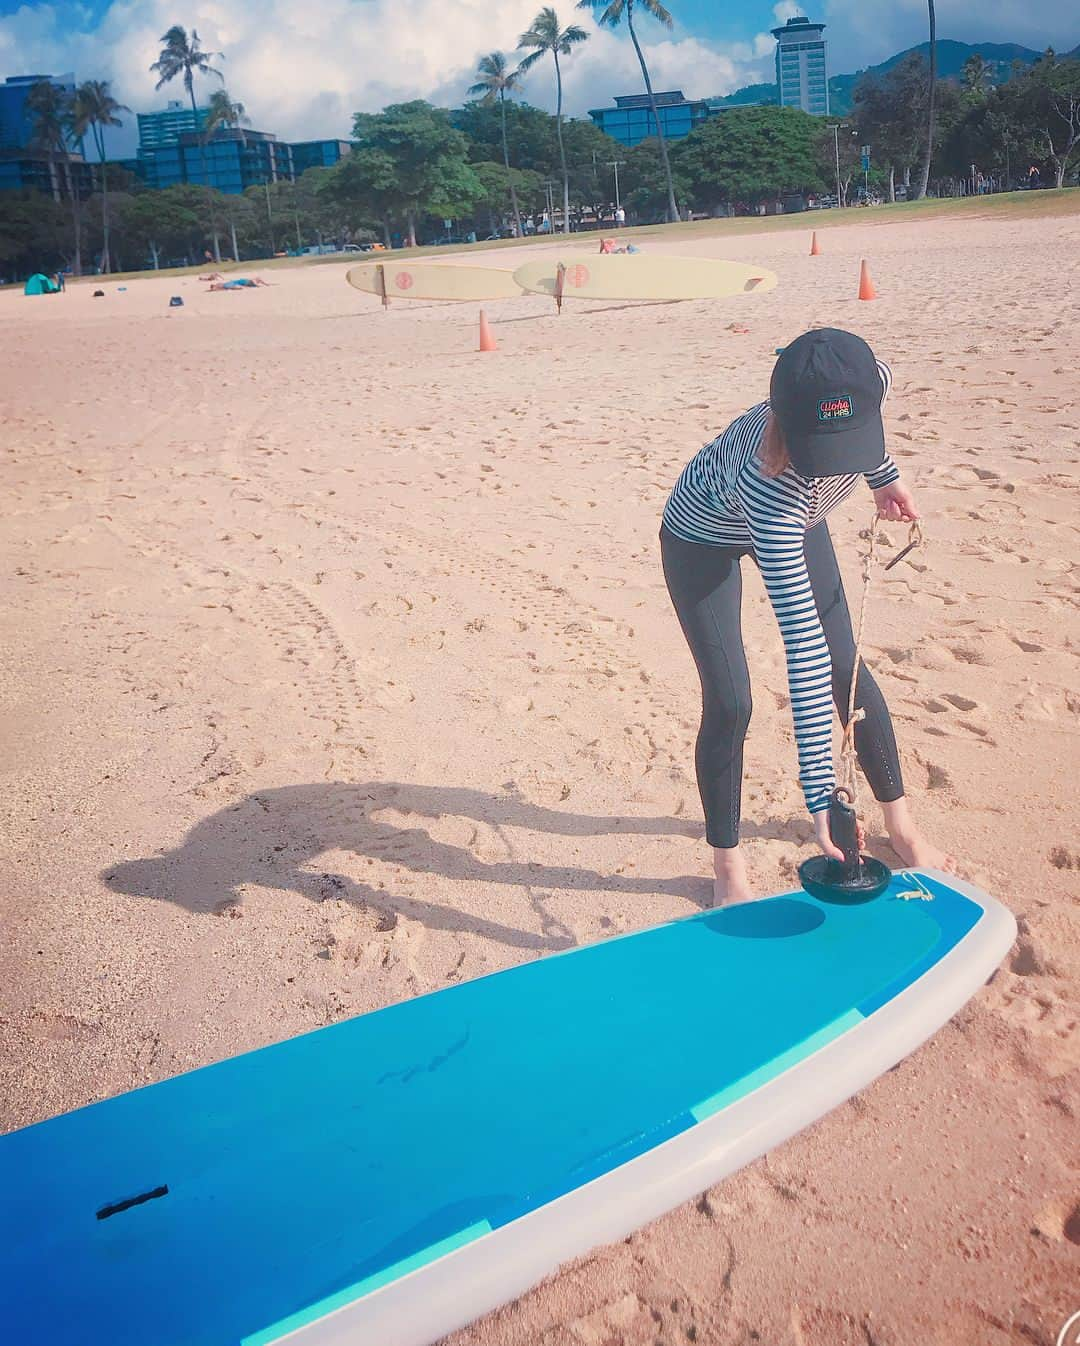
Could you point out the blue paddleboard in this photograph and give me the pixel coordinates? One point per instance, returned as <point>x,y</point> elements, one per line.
<point>387,1179</point>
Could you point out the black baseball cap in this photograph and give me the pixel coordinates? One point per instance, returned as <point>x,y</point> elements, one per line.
<point>826,393</point>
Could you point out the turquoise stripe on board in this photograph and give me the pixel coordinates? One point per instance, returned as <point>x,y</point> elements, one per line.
<point>776,1066</point>
<point>353,1292</point>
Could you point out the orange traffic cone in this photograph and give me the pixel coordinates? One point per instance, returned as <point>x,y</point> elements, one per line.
<point>815,251</point>
<point>866,285</point>
<point>487,341</point>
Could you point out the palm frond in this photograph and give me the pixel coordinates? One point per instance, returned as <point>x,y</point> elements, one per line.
<point>527,62</point>
<point>496,77</point>
<point>181,56</point>
<point>611,11</point>
<point>657,10</point>
<point>570,37</point>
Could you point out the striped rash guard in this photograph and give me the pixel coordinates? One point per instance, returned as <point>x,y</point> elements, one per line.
<point>723,499</point>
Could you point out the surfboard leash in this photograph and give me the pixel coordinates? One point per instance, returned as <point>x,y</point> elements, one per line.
<point>847,774</point>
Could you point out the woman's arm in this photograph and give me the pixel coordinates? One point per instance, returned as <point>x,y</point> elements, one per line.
<point>884,475</point>
<point>776,511</point>
<point>894,501</point>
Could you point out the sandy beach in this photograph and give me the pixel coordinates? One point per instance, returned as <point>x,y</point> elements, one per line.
<point>338,667</point>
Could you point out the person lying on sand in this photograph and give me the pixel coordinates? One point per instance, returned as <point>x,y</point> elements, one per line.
<point>763,489</point>
<point>240,283</point>
<point>213,275</point>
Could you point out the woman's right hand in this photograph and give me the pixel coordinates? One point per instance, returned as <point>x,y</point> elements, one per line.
<point>824,839</point>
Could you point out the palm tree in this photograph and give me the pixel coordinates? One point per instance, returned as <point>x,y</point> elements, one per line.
<point>611,15</point>
<point>93,109</point>
<point>179,56</point>
<point>222,111</point>
<point>496,80</point>
<point>924,175</point>
<point>50,107</point>
<point>545,36</point>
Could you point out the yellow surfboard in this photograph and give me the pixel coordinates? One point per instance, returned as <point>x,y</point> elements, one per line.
<point>432,280</point>
<point>635,276</point>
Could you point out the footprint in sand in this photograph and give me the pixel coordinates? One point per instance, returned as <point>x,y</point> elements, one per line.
<point>1059,1222</point>
<point>1048,1025</point>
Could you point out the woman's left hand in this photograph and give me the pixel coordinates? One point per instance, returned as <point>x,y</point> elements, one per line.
<point>824,838</point>
<point>896,503</point>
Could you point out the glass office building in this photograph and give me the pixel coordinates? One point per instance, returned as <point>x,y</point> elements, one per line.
<point>166,127</point>
<point>234,159</point>
<point>28,170</point>
<point>317,154</point>
<point>631,120</point>
<point>801,73</point>
<point>16,127</point>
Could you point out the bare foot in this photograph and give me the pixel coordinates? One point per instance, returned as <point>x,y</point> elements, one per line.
<point>909,843</point>
<point>917,853</point>
<point>730,884</point>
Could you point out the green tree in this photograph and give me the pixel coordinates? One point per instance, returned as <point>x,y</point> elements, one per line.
<point>589,152</point>
<point>282,214</point>
<point>50,112</point>
<point>612,13</point>
<point>544,37</point>
<point>223,113</point>
<point>94,108</point>
<point>891,112</point>
<point>362,189</point>
<point>495,80</point>
<point>997,131</point>
<point>117,181</point>
<point>751,154</point>
<point>184,58</point>
<point>422,165</point>
<point>1049,111</point>
<point>928,152</point>
<point>976,74</point>
<point>33,233</point>
<point>644,181</point>
<point>501,191</point>
<point>319,213</point>
<point>157,223</point>
<point>530,133</point>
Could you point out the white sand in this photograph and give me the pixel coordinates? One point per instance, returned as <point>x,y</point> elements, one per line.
<point>338,667</point>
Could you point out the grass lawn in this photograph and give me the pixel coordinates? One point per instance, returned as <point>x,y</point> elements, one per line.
<point>1001,206</point>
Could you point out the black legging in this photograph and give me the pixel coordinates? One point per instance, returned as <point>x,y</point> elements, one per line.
<point>705,584</point>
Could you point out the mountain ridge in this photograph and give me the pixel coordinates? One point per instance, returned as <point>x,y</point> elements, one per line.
<point>952,54</point>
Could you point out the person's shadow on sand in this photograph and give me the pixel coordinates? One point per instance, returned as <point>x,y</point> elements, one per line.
<point>270,838</point>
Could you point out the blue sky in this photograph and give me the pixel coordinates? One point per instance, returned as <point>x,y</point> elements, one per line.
<point>303,70</point>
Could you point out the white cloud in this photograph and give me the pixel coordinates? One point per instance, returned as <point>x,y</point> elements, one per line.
<point>303,70</point>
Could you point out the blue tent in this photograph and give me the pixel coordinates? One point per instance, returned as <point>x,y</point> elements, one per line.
<point>39,284</point>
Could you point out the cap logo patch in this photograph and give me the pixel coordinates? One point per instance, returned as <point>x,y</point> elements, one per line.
<point>835,408</point>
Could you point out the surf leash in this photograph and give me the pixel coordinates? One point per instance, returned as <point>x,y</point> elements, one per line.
<point>858,877</point>
<point>846,776</point>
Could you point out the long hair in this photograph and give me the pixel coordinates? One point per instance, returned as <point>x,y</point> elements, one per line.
<point>773,452</point>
